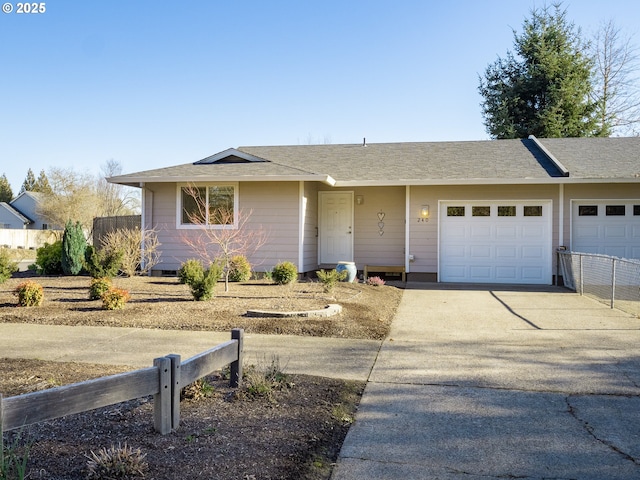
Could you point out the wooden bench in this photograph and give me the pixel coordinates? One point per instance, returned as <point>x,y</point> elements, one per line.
<point>385,269</point>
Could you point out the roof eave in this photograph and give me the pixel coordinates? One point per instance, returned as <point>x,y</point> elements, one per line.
<point>140,181</point>
<point>482,181</point>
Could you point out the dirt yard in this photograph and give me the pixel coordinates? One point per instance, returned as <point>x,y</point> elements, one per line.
<point>161,302</point>
<point>294,431</point>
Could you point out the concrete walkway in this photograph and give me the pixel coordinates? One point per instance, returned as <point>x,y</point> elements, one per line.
<point>477,383</point>
<point>137,347</point>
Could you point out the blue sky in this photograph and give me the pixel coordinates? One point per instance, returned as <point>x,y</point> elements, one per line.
<point>158,83</point>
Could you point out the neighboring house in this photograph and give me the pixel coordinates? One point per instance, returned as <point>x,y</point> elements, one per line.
<point>476,211</point>
<point>12,218</point>
<point>26,206</point>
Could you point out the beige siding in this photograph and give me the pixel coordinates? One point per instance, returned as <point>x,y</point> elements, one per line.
<point>272,207</point>
<point>423,236</point>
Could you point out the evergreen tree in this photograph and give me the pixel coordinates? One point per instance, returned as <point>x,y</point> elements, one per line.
<point>29,182</point>
<point>73,248</point>
<point>42,184</point>
<point>545,88</point>
<point>6,194</point>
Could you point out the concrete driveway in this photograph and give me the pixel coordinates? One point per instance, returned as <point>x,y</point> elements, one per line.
<point>500,382</point>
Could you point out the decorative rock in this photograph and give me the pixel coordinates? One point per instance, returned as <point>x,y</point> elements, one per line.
<point>328,311</point>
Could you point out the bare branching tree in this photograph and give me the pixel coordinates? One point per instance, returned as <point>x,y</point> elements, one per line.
<point>116,199</point>
<point>221,233</point>
<point>72,197</point>
<point>616,80</point>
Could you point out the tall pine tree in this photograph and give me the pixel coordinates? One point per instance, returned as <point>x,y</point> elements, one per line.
<point>543,89</point>
<point>29,182</point>
<point>42,184</point>
<point>6,194</point>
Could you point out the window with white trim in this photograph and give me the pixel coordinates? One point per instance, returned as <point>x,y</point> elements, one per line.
<point>207,205</point>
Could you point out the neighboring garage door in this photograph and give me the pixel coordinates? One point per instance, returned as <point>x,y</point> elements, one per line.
<point>609,227</point>
<point>495,242</point>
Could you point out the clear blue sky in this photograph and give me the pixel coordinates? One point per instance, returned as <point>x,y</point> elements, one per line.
<point>158,83</point>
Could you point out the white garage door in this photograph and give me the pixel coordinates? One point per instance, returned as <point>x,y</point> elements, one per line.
<point>495,242</point>
<point>610,227</point>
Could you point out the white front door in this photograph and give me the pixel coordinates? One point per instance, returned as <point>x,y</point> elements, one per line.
<point>335,227</point>
<point>503,241</point>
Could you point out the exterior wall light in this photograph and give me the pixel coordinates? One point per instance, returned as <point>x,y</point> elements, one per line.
<point>424,211</point>
<point>359,199</point>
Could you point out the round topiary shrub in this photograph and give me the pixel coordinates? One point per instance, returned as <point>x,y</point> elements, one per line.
<point>98,287</point>
<point>115,299</point>
<point>30,294</point>
<point>191,272</point>
<point>284,272</point>
<point>239,269</point>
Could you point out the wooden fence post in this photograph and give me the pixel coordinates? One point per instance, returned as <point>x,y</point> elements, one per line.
<point>235,379</point>
<point>176,387</point>
<point>162,400</point>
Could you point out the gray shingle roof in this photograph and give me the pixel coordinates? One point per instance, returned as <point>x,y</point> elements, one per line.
<point>500,161</point>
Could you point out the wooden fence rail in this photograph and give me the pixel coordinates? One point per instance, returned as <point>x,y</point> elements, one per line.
<point>164,381</point>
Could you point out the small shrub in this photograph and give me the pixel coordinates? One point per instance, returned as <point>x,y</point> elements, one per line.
<point>115,299</point>
<point>201,282</point>
<point>199,389</point>
<point>330,278</point>
<point>375,281</point>
<point>284,272</point>
<point>102,263</point>
<point>116,462</point>
<point>263,380</point>
<point>190,271</point>
<point>205,289</point>
<point>49,258</point>
<point>7,265</point>
<point>239,269</point>
<point>99,286</point>
<point>30,294</point>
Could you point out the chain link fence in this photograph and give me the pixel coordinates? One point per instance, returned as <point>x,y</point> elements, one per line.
<point>611,280</point>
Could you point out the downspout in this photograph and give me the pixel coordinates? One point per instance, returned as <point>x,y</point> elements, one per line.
<point>302,209</point>
<point>560,229</point>
<point>407,229</point>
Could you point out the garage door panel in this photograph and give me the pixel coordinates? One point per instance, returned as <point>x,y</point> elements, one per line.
<point>532,252</point>
<point>480,251</point>
<point>616,235</point>
<point>480,232</point>
<point>480,273</point>
<point>496,249</point>
<point>455,251</point>
<point>533,274</point>
<point>503,232</point>
<point>506,274</point>
<point>506,252</point>
<point>618,231</point>
<point>533,232</point>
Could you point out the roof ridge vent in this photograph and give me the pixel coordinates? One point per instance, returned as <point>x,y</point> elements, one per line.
<point>550,156</point>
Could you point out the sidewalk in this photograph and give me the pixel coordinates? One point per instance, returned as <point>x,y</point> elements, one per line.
<point>481,383</point>
<point>137,347</point>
